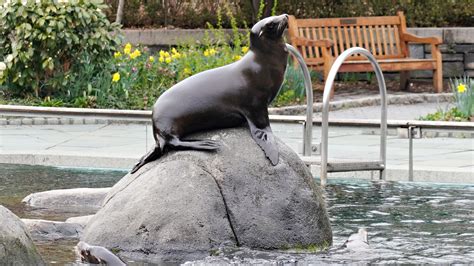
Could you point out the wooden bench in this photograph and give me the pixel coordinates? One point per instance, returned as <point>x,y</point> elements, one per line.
<point>320,41</point>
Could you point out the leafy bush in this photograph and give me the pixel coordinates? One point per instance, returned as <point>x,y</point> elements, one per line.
<point>133,78</point>
<point>41,42</point>
<point>195,13</point>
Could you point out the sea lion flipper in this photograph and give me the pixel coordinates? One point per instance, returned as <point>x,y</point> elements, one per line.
<point>151,155</point>
<point>207,145</point>
<point>265,139</point>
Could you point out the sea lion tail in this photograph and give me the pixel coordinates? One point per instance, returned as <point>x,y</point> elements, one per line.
<point>151,155</point>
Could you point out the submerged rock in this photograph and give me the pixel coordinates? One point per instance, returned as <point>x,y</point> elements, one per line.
<point>188,203</point>
<point>81,199</point>
<point>16,246</point>
<point>82,220</point>
<point>45,230</point>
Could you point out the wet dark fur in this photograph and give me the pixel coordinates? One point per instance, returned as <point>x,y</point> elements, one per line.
<point>225,97</point>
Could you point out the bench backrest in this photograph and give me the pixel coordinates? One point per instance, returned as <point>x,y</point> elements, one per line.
<point>379,35</point>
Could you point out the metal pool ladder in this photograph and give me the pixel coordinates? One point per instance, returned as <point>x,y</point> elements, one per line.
<point>341,166</point>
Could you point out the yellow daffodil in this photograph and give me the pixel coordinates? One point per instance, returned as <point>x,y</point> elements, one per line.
<point>176,55</point>
<point>151,59</point>
<point>461,88</point>
<point>209,52</point>
<point>135,54</point>
<point>127,49</point>
<point>237,57</point>
<point>116,77</point>
<point>164,54</point>
<point>161,59</point>
<point>117,54</point>
<point>187,71</point>
<point>174,51</point>
<point>244,49</point>
<point>168,60</point>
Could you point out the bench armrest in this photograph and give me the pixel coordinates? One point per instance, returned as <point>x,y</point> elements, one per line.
<point>300,41</point>
<point>416,39</point>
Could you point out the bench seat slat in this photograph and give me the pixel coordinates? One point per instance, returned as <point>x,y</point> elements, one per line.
<point>385,64</point>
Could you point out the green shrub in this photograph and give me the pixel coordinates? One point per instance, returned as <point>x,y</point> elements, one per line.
<point>463,90</point>
<point>196,13</point>
<point>133,78</point>
<point>41,42</point>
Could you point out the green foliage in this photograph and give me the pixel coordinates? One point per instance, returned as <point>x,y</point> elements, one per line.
<point>133,78</point>
<point>41,42</point>
<point>292,90</point>
<point>452,114</point>
<point>196,13</point>
<point>463,90</point>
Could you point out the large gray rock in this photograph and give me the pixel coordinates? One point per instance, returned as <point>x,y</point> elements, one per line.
<point>82,220</point>
<point>44,230</point>
<point>78,199</point>
<point>188,203</point>
<point>16,246</point>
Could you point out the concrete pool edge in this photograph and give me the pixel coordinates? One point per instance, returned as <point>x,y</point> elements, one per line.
<point>394,173</point>
<point>87,115</point>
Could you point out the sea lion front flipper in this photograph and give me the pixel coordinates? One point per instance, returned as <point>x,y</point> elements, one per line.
<point>265,139</point>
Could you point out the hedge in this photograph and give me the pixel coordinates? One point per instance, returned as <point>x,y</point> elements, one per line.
<point>195,13</point>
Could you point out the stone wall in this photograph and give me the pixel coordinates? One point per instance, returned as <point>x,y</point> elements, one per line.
<point>457,50</point>
<point>457,47</point>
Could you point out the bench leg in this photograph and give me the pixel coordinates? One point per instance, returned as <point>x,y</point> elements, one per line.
<point>327,68</point>
<point>404,80</point>
<point>438,80</point>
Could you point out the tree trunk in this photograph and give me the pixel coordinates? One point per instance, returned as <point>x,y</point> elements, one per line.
<point>118,19</point>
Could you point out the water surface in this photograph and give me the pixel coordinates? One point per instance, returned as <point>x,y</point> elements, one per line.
<point>407,222</point>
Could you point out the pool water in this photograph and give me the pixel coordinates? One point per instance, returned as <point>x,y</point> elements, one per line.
<point>407,222</point>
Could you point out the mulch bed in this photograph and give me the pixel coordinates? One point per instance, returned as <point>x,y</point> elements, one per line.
<point>357,89</point>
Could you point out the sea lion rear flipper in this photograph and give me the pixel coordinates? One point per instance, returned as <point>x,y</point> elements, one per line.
<point>206,145</point>
<point>151,155</point>
<point>265,139</point>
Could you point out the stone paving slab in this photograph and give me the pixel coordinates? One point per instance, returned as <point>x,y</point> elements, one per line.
<point>119,146</point>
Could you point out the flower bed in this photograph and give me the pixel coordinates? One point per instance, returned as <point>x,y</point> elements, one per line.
<point>463,91</point>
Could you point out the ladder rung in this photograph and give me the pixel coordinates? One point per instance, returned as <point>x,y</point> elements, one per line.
<point>311,160</point>
<point>349,166</point>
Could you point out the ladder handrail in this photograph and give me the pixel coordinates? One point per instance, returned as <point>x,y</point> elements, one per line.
<point>328,87</point>
<point>308,126</point>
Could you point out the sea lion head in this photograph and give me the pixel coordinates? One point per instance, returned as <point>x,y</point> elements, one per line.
<point>268,32</point>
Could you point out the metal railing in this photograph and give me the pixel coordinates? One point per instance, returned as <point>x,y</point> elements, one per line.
<point>308,124</point>
<point>325,114</point>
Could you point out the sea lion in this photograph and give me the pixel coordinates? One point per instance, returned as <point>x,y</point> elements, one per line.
<point>97,255</point>
<point>357,241</point>
<point>225,97</point>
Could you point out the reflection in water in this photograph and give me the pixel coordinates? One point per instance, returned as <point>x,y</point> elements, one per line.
<point>18,181</point>
<point>407,222</point>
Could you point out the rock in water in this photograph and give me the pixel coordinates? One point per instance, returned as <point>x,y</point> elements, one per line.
<point>44,230</point>
<point>184,205</point>
<point>79,199</point>
<point>16,246</point>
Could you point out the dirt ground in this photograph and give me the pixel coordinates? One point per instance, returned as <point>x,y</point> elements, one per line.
<point>358,89</point>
